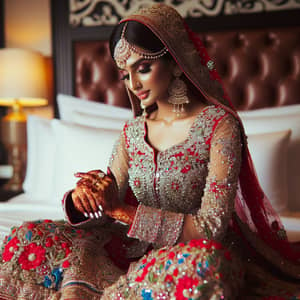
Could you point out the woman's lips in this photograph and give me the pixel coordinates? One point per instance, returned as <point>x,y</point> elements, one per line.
<point>143,95</point>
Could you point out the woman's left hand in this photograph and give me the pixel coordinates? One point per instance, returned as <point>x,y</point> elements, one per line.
<point>104,189</point>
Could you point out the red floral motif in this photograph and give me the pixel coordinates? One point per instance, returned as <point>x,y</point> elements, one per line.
<point>175,186</point>
<point>140,153</point>
<point>145,270</point>
<point>207,244</point>
<point>10,248</point>
<point>161,251</point>
<point>183,287</point>
<point>171,255</point>
<point>31,225</point>
<point>179,154</point>
<point>67,248</point>
<point>175,273</point>
<point>48,221</point>
<point>32,256</point>
<point>49,242</point>
<point>66,264</point>
<point>185,169</point>
<point>168,278</point>
<point>137,183</point>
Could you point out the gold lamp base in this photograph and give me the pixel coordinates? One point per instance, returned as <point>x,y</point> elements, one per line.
<point>14,140</point>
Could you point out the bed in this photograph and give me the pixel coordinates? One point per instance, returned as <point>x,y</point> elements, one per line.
<point>261,72</point>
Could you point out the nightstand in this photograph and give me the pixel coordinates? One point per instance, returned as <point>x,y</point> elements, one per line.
<point>5,174</point>
<point>6,195</point>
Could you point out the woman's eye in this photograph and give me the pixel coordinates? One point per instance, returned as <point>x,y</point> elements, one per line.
<point>144,68</point>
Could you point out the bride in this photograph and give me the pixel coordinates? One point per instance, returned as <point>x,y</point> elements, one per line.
<point>179,214</point>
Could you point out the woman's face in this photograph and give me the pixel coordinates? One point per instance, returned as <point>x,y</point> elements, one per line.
<point>148,79</point>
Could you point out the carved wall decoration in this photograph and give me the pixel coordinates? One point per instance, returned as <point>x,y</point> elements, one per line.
<point>100,12</point>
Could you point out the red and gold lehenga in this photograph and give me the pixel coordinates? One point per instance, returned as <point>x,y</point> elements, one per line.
<point>244,252</point>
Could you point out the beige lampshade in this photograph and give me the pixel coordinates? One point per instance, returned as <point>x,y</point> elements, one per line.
<point>22,77</point>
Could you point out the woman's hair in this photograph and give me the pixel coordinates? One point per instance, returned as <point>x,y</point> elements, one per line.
<point>139,35</point>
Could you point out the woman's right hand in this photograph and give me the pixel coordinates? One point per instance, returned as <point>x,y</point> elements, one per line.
<point>86,196</point>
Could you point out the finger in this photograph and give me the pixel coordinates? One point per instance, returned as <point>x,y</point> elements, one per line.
<point>96,172</point>
<point>92,201</point>
<point>78,204</point>
<point>85,176</point>
<point>99,200</point>
<point>98,214</point>
<point>92,175</point>
<point>85,203</point>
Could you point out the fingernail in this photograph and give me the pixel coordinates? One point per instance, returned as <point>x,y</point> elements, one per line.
<point>100,213</point>
<point>86,215</point>
<point>91,216</point>
<point>100,207</point>
<point>96,215</point>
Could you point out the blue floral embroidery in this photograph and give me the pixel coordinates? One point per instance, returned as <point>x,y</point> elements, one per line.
<point>57,273</point>
<point>180,261</point>
<point>147,294</point>
<point>28,235</point>
<point>47,282</point>
<point>55,280</point>
<point>168,264</point>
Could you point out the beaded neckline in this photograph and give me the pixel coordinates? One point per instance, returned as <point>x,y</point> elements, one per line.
<point>190,131</point>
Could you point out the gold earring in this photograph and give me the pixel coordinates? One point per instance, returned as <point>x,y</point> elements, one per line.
<point>178,92</point>
<point>143,107</point>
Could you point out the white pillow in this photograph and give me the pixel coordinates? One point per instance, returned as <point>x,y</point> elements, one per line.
<point>40,158</point>
<point>268,151</point>
<point>291,122</point>
<point>271,111</point>
<point>96,121</point>
<point>79,149</point>
<point>68,105</point>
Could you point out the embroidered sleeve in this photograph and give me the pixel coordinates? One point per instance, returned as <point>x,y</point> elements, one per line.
<point>156,226</point>
<point>118,164</point>
<point>217,204</point>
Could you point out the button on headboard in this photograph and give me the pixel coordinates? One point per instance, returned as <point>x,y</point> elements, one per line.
<point>260,68</point>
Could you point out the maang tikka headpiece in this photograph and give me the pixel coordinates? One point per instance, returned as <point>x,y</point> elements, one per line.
<point>123,51</point>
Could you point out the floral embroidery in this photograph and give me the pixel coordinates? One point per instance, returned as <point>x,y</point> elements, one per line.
<point>9,250</point>
<point>185,288</point>
<point>39,251</point>
<point>189,271</point>
<point>32,256</point>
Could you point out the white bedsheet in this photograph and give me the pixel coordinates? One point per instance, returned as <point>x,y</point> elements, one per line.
<point>21,208</point>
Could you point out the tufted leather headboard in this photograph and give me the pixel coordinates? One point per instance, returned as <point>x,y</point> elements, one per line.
<point>260,68</point>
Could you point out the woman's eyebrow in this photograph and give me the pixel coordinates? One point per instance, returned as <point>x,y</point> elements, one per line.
<point>134,65</point>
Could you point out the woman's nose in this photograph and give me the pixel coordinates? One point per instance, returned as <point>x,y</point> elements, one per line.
<point>134,84</point>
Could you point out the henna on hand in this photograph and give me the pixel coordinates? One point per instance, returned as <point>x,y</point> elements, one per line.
<point>86,194</point>
<point>125,214</point>
<point>97,193</point>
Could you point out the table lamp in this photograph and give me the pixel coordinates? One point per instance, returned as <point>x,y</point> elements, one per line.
<point>22,83</point>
